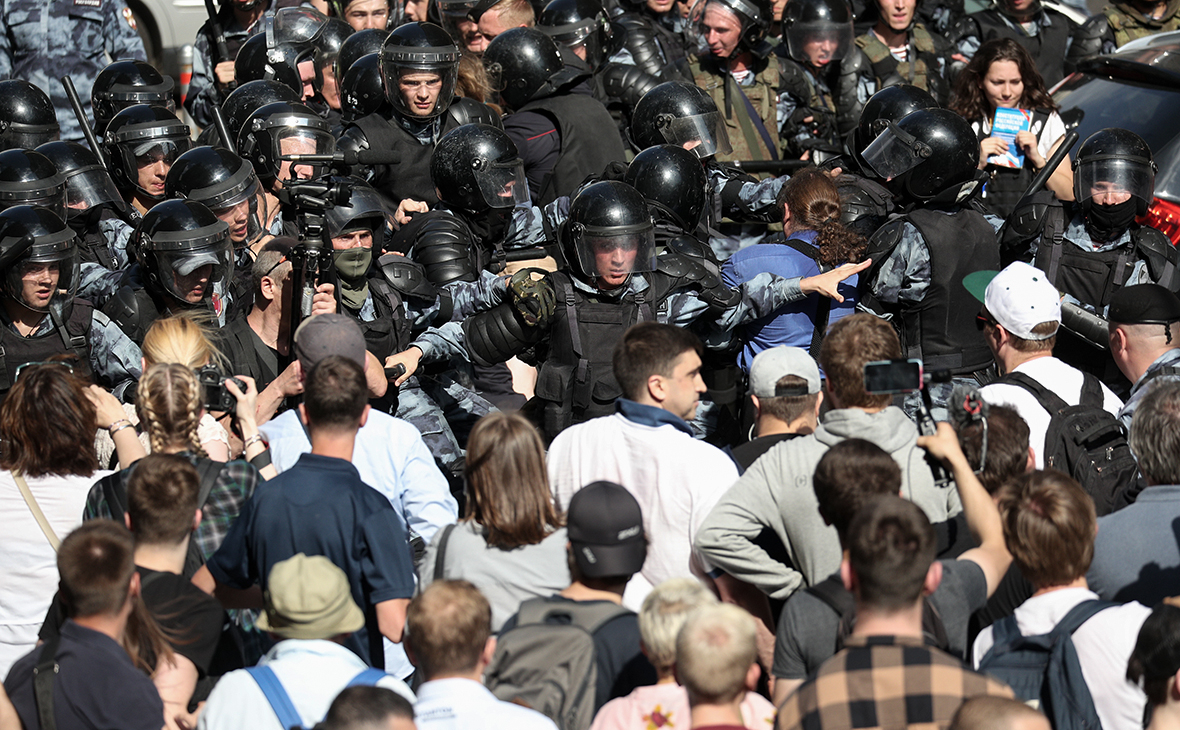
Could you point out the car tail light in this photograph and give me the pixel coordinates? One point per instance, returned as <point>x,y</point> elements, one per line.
<point>1164,215</point>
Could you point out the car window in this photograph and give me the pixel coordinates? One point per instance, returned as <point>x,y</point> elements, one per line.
<point>1148,111</point>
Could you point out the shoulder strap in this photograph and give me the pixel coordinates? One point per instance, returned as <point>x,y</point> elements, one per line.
<point>1079,615</point>
<point>278,698</point>
<point>833,593</point>
<point>43,676</point>
<point>1049,400</point>
<point>1042,116</point>
<point>209,470</point>
<point>1091,392</point>
<point>35,508</point>
<point>755,120</point>
<point>440,555</point>
<point>367,678</point>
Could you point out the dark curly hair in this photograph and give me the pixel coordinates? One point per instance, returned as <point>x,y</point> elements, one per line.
<point>967,99</point>
<point>814,202</point>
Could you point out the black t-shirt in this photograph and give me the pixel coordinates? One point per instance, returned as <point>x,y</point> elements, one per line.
<point>191,619</point>
<point>621,664</point>
<point>746,454</point>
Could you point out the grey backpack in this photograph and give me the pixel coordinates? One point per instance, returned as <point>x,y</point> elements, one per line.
<point>547,661</point>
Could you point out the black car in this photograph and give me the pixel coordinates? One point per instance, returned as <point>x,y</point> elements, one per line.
<point>1137,88</point>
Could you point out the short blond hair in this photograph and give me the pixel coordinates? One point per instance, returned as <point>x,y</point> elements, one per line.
<point>664,612</point>
<point>714,652</point>
<point>181,339</point>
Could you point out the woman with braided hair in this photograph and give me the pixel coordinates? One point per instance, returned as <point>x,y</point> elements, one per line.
<point>813,241</point>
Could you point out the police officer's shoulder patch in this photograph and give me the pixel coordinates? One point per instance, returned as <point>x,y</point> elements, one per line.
<point>87,3</point>
<point>128,16</point>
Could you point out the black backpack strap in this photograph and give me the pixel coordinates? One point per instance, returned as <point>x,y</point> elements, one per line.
<point>440,556</point>
<point>1048,400</point>
<point>43,677</point>
<point>1091,392</point>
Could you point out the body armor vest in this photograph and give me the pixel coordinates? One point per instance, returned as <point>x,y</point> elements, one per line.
<point>388,332</point>
<point>919,69</point>
<point>72,339</point>
<point>1127,24</point>
<point>744,136</point>
<point>1047,47</point>
<point>585,150</point>
<point>940,330</point>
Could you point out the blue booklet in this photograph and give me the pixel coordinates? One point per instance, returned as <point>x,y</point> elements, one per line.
<point>1005,125</point>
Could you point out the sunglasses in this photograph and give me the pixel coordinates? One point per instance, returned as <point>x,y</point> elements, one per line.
<point>20,368</point>
<point>982,320</point>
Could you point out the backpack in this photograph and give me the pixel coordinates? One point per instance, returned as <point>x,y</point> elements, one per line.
<point>832,592</point>
<point>1086,442</point>
<point>280,701</point>
<point>1044,670</point>
<point>552,667</point>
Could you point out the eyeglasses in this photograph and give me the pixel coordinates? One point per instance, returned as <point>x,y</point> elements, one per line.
<point>982,320</point>
<point>19,368</point>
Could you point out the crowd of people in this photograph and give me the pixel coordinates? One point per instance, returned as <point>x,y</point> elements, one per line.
<point>592,365</point>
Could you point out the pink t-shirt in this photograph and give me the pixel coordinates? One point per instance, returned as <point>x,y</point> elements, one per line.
<point>666,706</point>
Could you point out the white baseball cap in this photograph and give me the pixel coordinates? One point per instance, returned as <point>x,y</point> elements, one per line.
<point>1019,298</point>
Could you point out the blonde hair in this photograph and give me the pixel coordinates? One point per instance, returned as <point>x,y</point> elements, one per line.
<point>180,339</point>
<point>714,652</point>
<point>168,401</point>
<point>664,612</point>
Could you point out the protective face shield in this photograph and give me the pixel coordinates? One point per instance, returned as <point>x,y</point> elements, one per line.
<point>705,135</point>
<point>895,152</point>
<point>1113,179</point>
<point>192,265</point>
<point>138,145</point>
<point>291,140</point>
<point>819,42</point>
<point>452,16</point>
<point>49,193</point>
<point>403,72</point>
<point>47,274</point>
<point>88,188</point>
<point>503,184</point>
<point>614,253</point>
<point>14,136</point>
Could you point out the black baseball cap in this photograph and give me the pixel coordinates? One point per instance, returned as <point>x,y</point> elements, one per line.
<point>1144,304</point>
<point>605,526</point>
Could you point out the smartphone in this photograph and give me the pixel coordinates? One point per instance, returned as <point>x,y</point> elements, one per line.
<point>893,376</point>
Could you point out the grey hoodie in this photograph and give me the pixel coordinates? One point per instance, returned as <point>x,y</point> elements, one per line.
<point>776,492</point>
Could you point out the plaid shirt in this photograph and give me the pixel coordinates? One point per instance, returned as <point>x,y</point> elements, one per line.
<point>885,682</point>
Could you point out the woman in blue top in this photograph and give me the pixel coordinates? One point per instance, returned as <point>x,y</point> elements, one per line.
<point>815,241</point>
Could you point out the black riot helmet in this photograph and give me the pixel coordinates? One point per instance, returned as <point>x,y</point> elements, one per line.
<point>681,114</point>
<point>584,23</point>
<point>283,128</point>
<point>279,63</point>
<point>926,153</point>
<point>818,30</point>
<point>142,135</point>
<point>127,83</point>
<point>1112,163</point>
<point>366,209</point>
<point>609,234</point>
<point>225,184</point>
<point>361,92</point>
<point>755,17</point>
<point>27,118</point>
<point>33,237</point>
<point>331,39</point>
<point>476,167</point>
<point>88,184</point>
<point>299,26</point>
<point>251,96</point>
<point>357,45</point>
<point>673,181</point>
<point>30,178</point>
<point>524,64</point>
<point>888,105</point>
<point>419,48</point>
<point>174,242</point>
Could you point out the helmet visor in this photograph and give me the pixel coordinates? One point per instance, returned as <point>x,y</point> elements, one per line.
<point>192,275</point>
<point>89,187</point>
<point>46,193</point>
<point>616,254</point>
<point>289,140</point>
<point>48,273</point>
<point>820,42</point>
<point>28,137</point>
<point>704,135</point>
<point>1109,180</point>
<point>895,152</point>
<point>503,184</point>
<point>243,217</point>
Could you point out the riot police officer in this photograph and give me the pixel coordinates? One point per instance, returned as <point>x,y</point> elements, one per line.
<point>655,39</point>
<point>562,135</point>
<point>1044,32</point>
<point>27,119</point>
<point>241,103</point>
<point>227,185</point>
<point>1094,246</point>
<point>1120,23</point>
<point>186,263</point>
<point>826,78</point>
<point>920,258</point>
<point>419,68</point>
<point>127,83</point>
<point>30,178</point>
<point>925,54</point>
<point>140,144</point>
<point>42,316</point>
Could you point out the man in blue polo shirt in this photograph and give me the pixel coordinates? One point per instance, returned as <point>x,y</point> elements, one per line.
<point>321,507</point>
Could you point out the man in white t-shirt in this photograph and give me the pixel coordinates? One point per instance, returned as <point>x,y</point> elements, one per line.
<point>1020,318</point>
<point>1049,526</point>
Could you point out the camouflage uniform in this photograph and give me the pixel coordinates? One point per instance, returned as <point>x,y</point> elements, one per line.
<point>923,50</point>
<point>99,283</point>
<point>1118,25</point>
<point>43,40</point>
<point>203,92</point>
